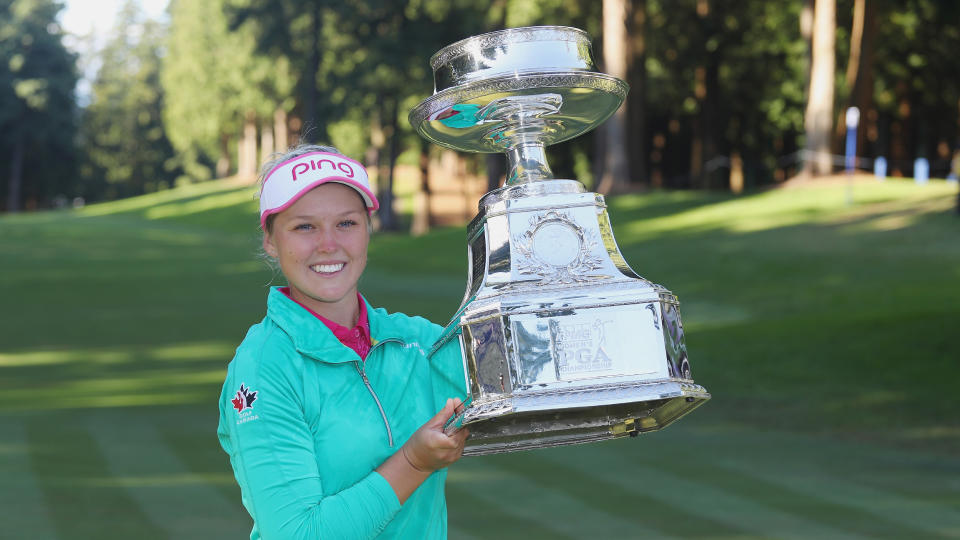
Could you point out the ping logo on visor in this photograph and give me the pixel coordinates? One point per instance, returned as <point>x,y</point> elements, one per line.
<point>288,181</point>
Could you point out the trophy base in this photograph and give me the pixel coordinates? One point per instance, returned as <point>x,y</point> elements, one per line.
<point>562,342</point>
<point>600,413</point>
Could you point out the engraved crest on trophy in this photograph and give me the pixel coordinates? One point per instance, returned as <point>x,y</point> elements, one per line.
<point>562,341</point>
<point>557,249</point>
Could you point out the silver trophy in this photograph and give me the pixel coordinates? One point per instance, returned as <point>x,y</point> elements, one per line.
<point>562,341</point>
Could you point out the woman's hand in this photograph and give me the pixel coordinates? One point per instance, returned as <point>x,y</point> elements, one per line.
<point>430,448</point>
<point>427,450</point>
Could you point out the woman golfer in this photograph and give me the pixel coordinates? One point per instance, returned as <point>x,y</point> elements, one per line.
<point>331,413</point>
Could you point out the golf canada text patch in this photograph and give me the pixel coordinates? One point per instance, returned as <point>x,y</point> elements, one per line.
<point>243,403</point>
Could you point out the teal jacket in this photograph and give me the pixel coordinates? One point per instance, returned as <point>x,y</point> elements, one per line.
<point>305,422</point>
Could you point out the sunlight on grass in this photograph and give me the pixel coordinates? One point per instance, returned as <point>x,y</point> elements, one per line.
<point>699,315</point>
<point>8,449</point>
<point>933,433</point>
<point>246,267</point>
<point>161,197</point>
<point>892,215</point>
<point>39,358</point>
<point>145,387</point>
<point>166,480</point>
<point>191,351</point>
<point>46,401</point>
<point>464,475</point>
<point>788,207</point>
<point>210,202</point>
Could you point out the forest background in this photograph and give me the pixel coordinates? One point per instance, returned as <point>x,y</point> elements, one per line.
<point>724,95</point>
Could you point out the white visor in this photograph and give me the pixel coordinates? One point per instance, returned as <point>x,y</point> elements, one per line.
<point>288,181</point>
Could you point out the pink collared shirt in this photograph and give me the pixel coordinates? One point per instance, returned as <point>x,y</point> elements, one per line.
<point>357,338</point>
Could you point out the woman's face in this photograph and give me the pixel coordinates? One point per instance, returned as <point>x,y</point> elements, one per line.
<point>321,244</point>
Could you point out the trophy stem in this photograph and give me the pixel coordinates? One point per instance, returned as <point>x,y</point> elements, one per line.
<point>527,163</point>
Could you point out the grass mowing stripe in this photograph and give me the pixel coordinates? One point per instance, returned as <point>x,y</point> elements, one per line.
<point>455,532</point>
<point>709,501</point>
<point>488,519</point>
<point>200,452</point>
<point>554,511</point>
<point>901,488</point>
<point>884,506</point>
<point>25,512</point>
<point>776,486</point>
<point>182,503</point>
<point>914,488</point>
<point>73,476</point>
<point>650,513</point>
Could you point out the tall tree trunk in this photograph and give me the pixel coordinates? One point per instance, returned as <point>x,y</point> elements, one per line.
<point>696,151</point>
<point>862,88</point>
<point>266,141</point>
<point>712,127</point>
<point>636,101</point>
<point>16,177</point>
<point>280,130</point>
<point>311,129</point>
<point>223,162</point>
<point>818,118</point>
<point>806,33</point>
<point>388,219</point>
<point>703,144</point>
<point>900,131</point>
<point>859,75</point>
<point>615,50</point>
<point>247,151</point>
<point>422,217</point>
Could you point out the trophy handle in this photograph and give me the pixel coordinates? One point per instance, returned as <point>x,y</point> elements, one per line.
<point>455,422</point>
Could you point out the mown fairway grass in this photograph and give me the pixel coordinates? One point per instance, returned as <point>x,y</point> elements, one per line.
<point>827,334</point>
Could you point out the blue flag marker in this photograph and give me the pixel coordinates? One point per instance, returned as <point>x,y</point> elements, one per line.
<point>921,170</point>
<point>853,119</point>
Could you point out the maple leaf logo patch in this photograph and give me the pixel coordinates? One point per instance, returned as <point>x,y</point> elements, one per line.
<point>244,399</point>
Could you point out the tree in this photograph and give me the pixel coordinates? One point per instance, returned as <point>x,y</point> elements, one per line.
<point>126,148</point>
<point>818,119</point>
<point>37,110</point>
<point>722,79</point>
<point>917,111</point>
<point>859,75</point>
<point>616,51</point>
<point>212,78</point>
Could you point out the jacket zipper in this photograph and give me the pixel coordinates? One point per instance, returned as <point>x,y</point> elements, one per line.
<point>366,381</point>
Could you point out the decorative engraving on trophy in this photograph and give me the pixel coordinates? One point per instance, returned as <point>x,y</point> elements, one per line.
<point>653,311</point>
<point>579,348</point>
<point>478,261</point>
<point>489,354</point>
<point>557,249</point>
<point>532,341</point>
<point>486,41</point>
<point>677,362</point>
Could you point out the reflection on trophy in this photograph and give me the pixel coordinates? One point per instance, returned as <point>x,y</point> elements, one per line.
<point>562,341</point>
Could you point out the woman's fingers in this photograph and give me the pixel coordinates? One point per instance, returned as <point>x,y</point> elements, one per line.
<point>440,419</point>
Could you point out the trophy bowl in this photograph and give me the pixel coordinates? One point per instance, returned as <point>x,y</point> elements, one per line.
<point>562,342</point>
<point>482,83</point>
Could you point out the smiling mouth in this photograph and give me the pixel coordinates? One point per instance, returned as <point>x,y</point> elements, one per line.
<point>327,268</point>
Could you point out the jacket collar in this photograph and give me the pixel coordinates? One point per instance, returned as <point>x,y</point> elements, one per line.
<point>313,338</point>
